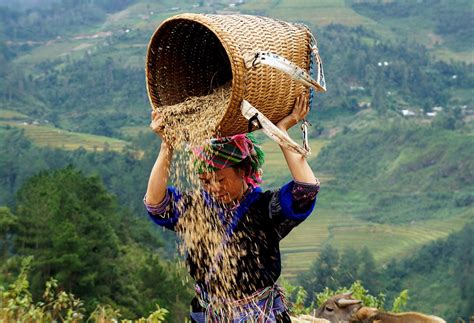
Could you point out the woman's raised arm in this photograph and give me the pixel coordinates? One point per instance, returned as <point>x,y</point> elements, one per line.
<point>299,167</point>
<point>158,180</point>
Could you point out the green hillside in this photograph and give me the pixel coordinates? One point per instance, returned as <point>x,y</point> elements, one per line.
<point>444,27</point>
<point>331,224</point>
<point>103,56</point>
<point>428,272</point>
<point>391,200</point>
<point>73,76</point>
<point>427,173</point>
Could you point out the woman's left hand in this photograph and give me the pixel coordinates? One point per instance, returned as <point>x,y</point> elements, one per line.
<point>300,111</point>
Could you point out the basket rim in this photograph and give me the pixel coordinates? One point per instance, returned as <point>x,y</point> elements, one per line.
<point>226,40</point>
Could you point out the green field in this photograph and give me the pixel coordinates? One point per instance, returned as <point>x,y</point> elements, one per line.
<point>336,225</point>
<point>133,131</point>
<point>316,12</point>
<point>49,136</point>
<point>10,114</point>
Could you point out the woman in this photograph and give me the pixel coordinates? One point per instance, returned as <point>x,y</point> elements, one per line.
<point>252,223</point>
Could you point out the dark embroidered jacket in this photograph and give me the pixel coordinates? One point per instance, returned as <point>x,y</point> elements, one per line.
<point>257,225</point>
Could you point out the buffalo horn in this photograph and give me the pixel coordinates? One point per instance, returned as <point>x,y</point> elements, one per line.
<point>346,302</point>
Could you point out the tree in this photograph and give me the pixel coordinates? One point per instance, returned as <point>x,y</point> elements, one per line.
<point>64,222</point>
<point>323,272</point>
<point>368,271</point>
<point>71,225</point>
<point>348,267</point>
<point>8,225</point>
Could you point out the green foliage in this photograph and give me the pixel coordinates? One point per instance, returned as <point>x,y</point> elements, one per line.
<point>297,296</point>
<point>16,304</point>
<point>330,271</point>
<point>410,79</point>
<point>8,225</point>
<point>400,301</point>
<point>65,223</point>
<point>322,272</point>
<point>71,225</point>
<point>449,120</point>
<point>117,89</point>
<point>358,292</point>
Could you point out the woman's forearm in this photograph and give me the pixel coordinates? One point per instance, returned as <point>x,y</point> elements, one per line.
<point>299,167</point>
<point>157,183</point>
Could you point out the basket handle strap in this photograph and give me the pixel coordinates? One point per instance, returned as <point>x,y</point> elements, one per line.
<point>253,60</point>
<point>256,118</point>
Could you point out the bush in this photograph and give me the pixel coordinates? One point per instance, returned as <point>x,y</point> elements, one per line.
<point>16,304</point>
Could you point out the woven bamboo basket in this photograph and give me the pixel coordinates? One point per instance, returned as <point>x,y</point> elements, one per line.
<point>191,54</point>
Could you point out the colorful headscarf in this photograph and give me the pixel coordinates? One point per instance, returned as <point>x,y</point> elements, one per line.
<point>226,152</point>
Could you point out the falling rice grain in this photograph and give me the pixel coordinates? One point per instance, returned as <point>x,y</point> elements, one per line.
<point>190,124</point>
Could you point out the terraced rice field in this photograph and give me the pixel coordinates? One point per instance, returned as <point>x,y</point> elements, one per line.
<point>338,227</point>
<point>50,136</point>
<point>333,221</point>
<point>321,12</point>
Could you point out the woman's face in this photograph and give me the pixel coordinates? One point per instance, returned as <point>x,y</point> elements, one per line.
<point>225,185</point>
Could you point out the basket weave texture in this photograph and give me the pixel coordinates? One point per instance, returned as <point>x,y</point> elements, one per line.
<point>191,54</point>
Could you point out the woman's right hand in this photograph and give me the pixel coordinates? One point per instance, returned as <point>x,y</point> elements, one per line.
<point>157,124</point>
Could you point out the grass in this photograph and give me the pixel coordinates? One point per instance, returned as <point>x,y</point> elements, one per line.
<point>45,135</point>
<point>57,49</point>
<point>447,55</point>
<point>6,114</point>
<point>133,131</point>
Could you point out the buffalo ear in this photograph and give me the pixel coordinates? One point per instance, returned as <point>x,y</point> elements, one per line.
<point>366,312</point>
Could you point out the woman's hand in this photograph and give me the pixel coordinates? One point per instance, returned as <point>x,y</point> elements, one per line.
<point>300,111</point>
<point>297,164</point>
<point>158,127</point>
<point>159,175</point>
<point>157,123</point>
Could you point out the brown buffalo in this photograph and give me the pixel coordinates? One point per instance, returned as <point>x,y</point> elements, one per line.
<point>339,308</point>
<point>344,308</point>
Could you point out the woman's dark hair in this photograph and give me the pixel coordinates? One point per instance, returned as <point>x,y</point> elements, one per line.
<point>245,165</point>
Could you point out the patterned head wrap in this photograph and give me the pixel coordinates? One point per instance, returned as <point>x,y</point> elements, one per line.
<point>226,152</point>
